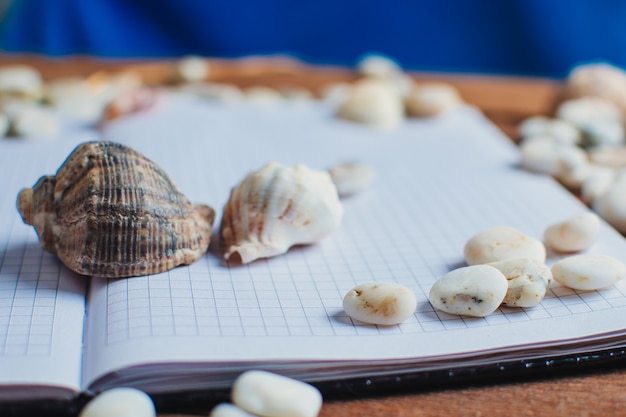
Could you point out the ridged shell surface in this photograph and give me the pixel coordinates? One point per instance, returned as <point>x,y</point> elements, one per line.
<point>277,207</point>
<point>112,212</point>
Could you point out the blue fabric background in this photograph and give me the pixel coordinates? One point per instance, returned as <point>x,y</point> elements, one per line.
<point>528,37</point>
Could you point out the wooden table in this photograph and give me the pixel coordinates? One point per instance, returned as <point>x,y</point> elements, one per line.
<point>506,101</point>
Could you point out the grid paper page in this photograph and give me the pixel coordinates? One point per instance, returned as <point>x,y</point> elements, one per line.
<point>42,304</point>
<point>439,182</point>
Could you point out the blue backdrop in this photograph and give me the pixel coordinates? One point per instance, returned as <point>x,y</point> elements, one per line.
<point>528,37</point>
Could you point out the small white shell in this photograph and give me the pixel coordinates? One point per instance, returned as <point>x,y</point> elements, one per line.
<point>528,281</point>
<point>476,291</point>
<point>374,102</point>
<point>501,243</point>
<point>384,303</point>
<point>351,177</point>
<point>277,207</point>
<point>426,100</point>
<point>588,272</point>
<point>120,402</point>
<point>574,234</point>
<point>272,395</point>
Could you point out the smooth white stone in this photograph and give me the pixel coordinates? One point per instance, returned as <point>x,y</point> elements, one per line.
<point>501,243</point>
<point>193,69</point>
<point>574,234</point>
<point>21,80</point>
<point>546,156</point>
<point>528,281</point>
<point>263,96</point>
<point>610,156</point>
<point>229,410</point>
<point>585,110</point>
<point>378,66</point>
<point>603,133</point>
<point>374,102</point>
<point>597,182</point>
<point>432,99</point>
<point>120,402</point>
<point>383,303</point>
<point>475,291</point>
<point>588,272</point>
<point>271,395</point>
<point>35,122</point>
<point>558,130</point>
<point>611,205</point>
<point>351,177</point>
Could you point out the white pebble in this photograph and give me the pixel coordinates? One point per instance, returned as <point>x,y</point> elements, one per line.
<point>35,122</point>
<point>271,395</point>
<point>120,402</point>
<point>475,291</point>
<point>263,96</point>
<point>351,177</point>
<point>229,410</point>
<point>603,133</point>
<point>374,102</point>
<point>378,66</point>
<point>528,281</point>
<point>21,80</point>
<point>611,205</point>
<point>585,110</point>
<point>558,130</point>
<point>597,183</point>
<point>383,303</point>
<point>501,243</point>
<point>427,100</point>
<point>546,156</point>
<point>193,69</point>
<point>613,156</point>
<point>588,272</point>
<point>574,234</point>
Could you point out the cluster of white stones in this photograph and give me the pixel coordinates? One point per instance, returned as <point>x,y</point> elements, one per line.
<point>507,267</point>
<point>384,95</point>
<point>584,145</point>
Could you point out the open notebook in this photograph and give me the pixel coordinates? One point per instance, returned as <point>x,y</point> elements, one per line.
<point>439,181</point>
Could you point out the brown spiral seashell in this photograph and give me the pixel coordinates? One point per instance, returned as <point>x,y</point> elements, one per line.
<point>112,212</point>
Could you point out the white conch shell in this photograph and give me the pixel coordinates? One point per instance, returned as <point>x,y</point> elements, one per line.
<point>277,207</point>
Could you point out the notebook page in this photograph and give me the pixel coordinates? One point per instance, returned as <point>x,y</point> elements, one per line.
<point>439,181</point>
<point>42,304</point>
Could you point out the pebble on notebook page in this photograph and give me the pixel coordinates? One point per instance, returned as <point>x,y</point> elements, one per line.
<point>501,243</point>
<point>573,234</point>
<point>476,291</point>
<point>384,303</point>
<point>588,271</point>
<point>271,395</point>
<point>528,281</point>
